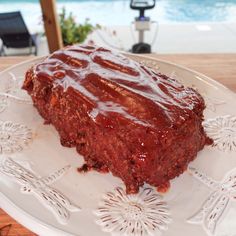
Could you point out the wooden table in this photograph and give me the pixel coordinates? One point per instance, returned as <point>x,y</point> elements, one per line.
<point>221,67</point>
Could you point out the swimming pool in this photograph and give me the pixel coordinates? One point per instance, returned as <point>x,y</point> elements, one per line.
<point>117,12</point>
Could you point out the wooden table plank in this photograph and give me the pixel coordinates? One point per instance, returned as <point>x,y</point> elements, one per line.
<point>221,67</point>
<point>6,62</point>
<point>9,227</point>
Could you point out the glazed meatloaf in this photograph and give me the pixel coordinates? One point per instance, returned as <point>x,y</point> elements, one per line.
<point>122,116</point>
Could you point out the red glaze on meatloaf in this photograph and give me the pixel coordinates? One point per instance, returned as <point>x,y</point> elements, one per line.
<point>123,117</point>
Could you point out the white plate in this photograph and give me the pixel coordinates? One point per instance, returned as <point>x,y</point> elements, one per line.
<point>38,188</point>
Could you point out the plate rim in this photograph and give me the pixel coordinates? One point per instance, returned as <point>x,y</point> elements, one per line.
<point>33,223</point>
<point>27,220</point>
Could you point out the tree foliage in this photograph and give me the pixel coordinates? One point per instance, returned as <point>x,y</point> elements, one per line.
<point>72,32</point>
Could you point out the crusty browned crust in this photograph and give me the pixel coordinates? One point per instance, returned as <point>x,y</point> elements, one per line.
<point>121,116</point>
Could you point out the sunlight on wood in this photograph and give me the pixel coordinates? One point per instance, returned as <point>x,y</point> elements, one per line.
<point>51,25</point>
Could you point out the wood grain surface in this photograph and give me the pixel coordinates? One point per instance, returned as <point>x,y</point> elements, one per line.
<point>51,25</point>
<point>221,67</point>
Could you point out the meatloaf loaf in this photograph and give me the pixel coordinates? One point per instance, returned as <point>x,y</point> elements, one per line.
<point>122,116</point>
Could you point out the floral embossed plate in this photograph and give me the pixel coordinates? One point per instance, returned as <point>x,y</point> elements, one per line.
<point>40,187</point>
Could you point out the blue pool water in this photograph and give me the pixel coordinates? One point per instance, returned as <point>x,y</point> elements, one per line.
<point>117,12</point>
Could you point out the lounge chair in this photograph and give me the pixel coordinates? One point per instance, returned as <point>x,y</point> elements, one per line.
<point>14,33</point>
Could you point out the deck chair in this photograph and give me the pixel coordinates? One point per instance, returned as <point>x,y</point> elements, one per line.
<point>14,33</point>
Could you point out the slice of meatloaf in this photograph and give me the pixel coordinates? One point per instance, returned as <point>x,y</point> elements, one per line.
<point>123,117</point>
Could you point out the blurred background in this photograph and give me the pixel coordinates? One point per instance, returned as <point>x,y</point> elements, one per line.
<point>175,26</point>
